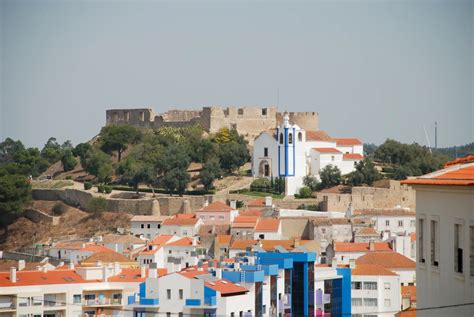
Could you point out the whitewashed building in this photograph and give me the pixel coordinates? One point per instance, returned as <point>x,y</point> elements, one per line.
<point>343,252</point>
<point>148,226</point>
<point>182,225</point>
<point>396,221</point>
<point>292,152</point>
<point>445,239</point>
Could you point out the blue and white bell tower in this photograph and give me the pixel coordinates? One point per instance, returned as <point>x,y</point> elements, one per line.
<point>288,136</point>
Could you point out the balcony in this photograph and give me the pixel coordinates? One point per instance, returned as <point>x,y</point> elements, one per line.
<point>101,315</point>
<point>102,302</point>
<point>7,306</point>
<point>149,301</point>
<point>284,302</point>
<point>210,301</point>
<point>193,302</point>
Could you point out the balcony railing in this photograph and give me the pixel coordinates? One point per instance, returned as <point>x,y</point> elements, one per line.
<point>53,303</point>
<point>100,302</point>
<point>7,306</point>
<point>101,315</point>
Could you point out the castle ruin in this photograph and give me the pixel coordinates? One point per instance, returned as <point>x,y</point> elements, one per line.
<point>248,121</point>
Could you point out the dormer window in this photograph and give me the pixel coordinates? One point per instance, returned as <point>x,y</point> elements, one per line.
<point>290,138</point>
<point>281,138</point>
<point>300,136</point>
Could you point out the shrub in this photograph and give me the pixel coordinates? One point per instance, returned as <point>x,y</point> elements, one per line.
<point>58,209</point>
<point>69,177</point>
<point>305,192</point>
<point>87,185</point>
<point>101,189</point>
<point>261,184</point>
<point>97,205</point>
<point>108,189</point>
<point>309,207</point>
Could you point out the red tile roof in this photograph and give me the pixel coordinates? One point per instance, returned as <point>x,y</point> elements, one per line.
<point>413,236</point>
<point>245,222</point>
<point>180,221</point>
<point>367,231</point>
<point>389,260</point>
<point>326,150</point>
<point>107,257</point>
<point>347,141</point>
<point>360,246</point>
<point>223,239</point>
<point>410,292</point>
<point>269,245</point>
<point>461,160</point>
<point>96,249</point>
<point>216,206</point>
<point>133,275</point>
<point>250,212</point>
<point>161,240</point>
<point>183,242</point>
<point>352,157</point>
<point>409,312</point>
<point>370,269</point>
<point>318,136</point>
<point>258,202</point>
<point>25,278</point>
<point>243,244</point>
<point>226,287</point>
<point>268,225</point>
<point>456,175</point>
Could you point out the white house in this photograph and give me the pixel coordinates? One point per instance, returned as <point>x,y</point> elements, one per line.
<point>292,152</point>
<point>181,253</point>
<point>395,262</point>
<point>396,221</point>
<point>154,251</point>
<point>343,252</point>
<point>121,243</point>
<point>445,238</point>
<point>268,228</point>
<point>327,230</point>
<point>182,225</point>
<point>375,291</point>
<point>148,226</point>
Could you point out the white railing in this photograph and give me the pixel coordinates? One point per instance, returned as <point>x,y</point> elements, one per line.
<point>104,301</point>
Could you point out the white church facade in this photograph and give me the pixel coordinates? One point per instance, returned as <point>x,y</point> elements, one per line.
<point>292,152</point>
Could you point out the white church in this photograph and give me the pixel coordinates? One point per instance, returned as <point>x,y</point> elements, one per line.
<point>291,152</point>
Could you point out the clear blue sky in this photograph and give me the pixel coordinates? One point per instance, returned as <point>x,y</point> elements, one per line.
<point>372,69</point>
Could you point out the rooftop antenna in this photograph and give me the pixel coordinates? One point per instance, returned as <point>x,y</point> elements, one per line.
<point>436,134</point>
<point>427,139</point>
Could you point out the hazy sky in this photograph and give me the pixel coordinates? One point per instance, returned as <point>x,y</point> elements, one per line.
<point>372,69</point>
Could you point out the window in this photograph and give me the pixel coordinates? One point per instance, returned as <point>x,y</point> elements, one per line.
<point>434,242</point>
<point>76,298</point>
<point>458,248</point>
<point>158,226</point>
<point>290,138</point>
<point>232,314</point>
<point>281,138</point>
<point>386,286</point>
<point>181,294</point>
<point>143,226</point>
<point>323,230</point>
<point>356,302</point>
<point>356,285</point>
<point>240,111</point>
<point>300,136</point>
<point>387,303</point>
<point>169,252</point>
<point>387,223</point>
<point>180,314</point>
<point>370,285</point>
<point>421,233</point>
<point>221,217</point>
<point>212,217</point>
<point>264,111</point>
<point>412,223</point>
<point>400,223</point>
<point>372,302</point>
<point>168,314</point>
<point>148,226</point>
<point>332,158</point>
<point>168,293</point>
<point>185,232</point>
<point>261,236</point>
<point>265,151</point>
<point>471,254</point>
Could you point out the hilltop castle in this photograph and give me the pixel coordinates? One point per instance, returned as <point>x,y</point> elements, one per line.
<point>248,121</point>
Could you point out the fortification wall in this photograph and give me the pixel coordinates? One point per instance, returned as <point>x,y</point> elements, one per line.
<point>39,216</point>
<point>306,120</point>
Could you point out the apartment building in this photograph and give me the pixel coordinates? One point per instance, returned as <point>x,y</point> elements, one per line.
<point>445,239</point>
<point>343,252</point>
<point>182,225</point>
<point>147,226</point>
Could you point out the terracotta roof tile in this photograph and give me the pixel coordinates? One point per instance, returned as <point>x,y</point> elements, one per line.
<point>390,260</point>
<point>455,175</point>
<point>133,275</point>
<point>183,242</point>
<point>107,257</point>
<point>243,244</point>
<point>360,246</point>
<point>226,287</point>
<point>223,239</point>
<point>161,240</point>
<point>409,291</point>
<point>326,150</point>
<point>352,156</point>
<point>251,212</point>
<point>409,312</point>
<point>318,136</point>
<point>25,278</point>
<point>461,160</point>
<point>246,219</point>
<point>413,236</point>
<point>369,269</point>
<point>269,245</point>
<point>71,245</point>
<point>258,202</point>
<point>216,206</point>
<point>96,249</point>
<point>367,231</point>
<point>347,141</point>
<point>268,225</point>
<point>180,221</point>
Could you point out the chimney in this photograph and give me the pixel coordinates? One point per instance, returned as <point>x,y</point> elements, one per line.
<point>13,274</point>
<point>152,272</point>
<point>297,242</point>
<point>371,245</point>
<point>268,201</point>
<point>219,273</point>
<point>195,241</point>
<point>233,204</point>
<point>61,263</point>
<point>352,263</point>
<point>334,262</point>
<point>237,266</point>
<point>117,269</point>
<point>100,238</point>
<point>142,271</point>
<point>21,265</point>
<point>44,268</point>
<point>206,202</point>
<point>199,265</point>
<point>104,274</point>
<point>71,265</point>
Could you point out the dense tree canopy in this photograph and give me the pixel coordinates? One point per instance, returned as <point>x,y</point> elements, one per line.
<point>330,176</point>
<point>365,173</point>
<point>117,138</point>
<point>98,163</point>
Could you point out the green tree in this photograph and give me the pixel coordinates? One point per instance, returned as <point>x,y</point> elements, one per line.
<point>81,149</point>
<point>175,156</point>
<point>99,164</point>
<point>52,151</point>
<point>233,155</point>
<point>15,191</point>
<point>311,182</point>
<point>28,161</point>
<point>136,172</point>
<point>330,176</point>
<point>305,192</point>
<point>68,160</point>
<point>176,180</point>
<point>209,173</point>
<point>118,137</point>
<point>365,173</point>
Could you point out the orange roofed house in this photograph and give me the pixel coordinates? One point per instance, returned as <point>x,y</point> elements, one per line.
<point>217,213</point>
<point>445,238</point>
<point>343,252</point>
